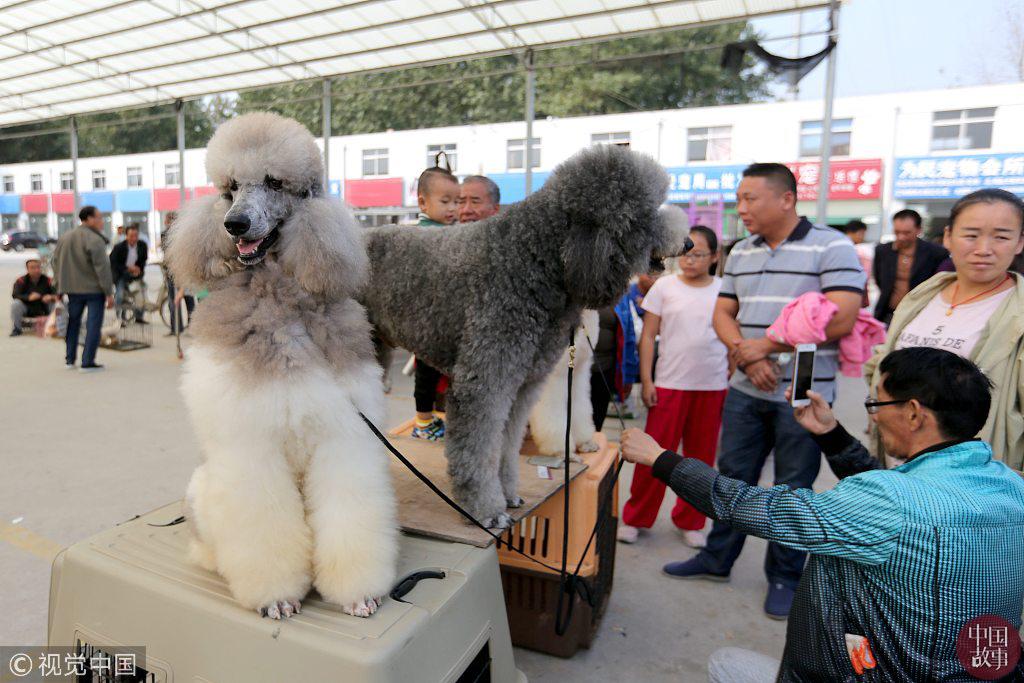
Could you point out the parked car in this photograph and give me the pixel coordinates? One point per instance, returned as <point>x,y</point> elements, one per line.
<point>23,239</point>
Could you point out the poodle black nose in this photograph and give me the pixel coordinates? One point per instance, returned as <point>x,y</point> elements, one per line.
<point>237,225</point>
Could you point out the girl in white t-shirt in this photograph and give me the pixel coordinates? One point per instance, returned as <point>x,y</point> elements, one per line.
<point>686,391</point>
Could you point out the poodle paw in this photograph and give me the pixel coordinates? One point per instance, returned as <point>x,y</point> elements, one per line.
<point>280,609</point>
<point>515,501</point>
<point>499,521</point>
<point>588,447</point>
<point>364,607</point>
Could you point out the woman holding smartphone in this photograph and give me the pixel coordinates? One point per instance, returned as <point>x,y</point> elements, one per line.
<point>686,391</point>
<point>976,312</point>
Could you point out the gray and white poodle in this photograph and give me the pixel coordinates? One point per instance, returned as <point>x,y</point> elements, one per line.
<point>293,490</point>
<point>492,303</point>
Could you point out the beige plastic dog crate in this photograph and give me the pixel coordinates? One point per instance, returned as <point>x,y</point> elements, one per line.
<point>132,586</point>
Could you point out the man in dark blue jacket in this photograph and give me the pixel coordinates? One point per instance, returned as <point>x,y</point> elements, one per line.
<point>901,560</point>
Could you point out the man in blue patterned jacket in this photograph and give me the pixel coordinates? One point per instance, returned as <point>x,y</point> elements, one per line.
<point>900,560</point>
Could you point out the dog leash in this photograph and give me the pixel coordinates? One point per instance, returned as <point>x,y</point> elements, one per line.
<point>442,495</point>
<point>567,584</point>
<point>570,582</point>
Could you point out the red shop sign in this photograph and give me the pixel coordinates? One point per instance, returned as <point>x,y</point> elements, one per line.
<point>851,179</point>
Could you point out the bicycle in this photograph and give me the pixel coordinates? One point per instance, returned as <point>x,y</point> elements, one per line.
<point>136,298</point>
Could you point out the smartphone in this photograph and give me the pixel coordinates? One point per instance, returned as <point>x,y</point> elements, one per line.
<point>803,374</point>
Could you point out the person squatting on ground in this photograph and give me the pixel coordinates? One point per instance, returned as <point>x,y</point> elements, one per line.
<point>903,264</point>
<point>33,296</point>
<point>976,312</point>
<point>128,264</point>
<point>901,559</point>
<point>785,256</point>
<point>82,271</point>
<point>685,396</point>
<point>437,192</point>
<point>479,198</point>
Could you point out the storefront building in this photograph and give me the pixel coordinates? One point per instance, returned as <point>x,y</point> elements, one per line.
<point>931,185</point>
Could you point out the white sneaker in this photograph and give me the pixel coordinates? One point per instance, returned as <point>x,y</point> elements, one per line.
<point>694,539</point>
<point>627,534</point>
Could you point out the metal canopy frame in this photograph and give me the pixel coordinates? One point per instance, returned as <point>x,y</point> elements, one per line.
<point>64,57</point>
<point>193,48</point>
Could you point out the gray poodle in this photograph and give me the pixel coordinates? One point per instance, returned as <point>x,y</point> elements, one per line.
<point>293,490</point>
<point>492,303</point>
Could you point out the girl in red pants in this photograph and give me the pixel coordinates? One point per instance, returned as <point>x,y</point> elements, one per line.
<point>686,393</point>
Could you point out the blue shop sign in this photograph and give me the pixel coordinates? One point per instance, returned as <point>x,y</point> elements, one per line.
<point>104,201</point>
<point>952,177</point>
<point>10,203</point>
<point>512,186</point>
<point>688,183</point>
<point>135,201</point>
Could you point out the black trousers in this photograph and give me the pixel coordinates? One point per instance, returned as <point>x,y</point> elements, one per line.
<point>602,385</point>
<point>425,387</point>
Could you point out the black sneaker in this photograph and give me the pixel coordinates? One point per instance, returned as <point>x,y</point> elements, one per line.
<point>693,568</point>
<point>16,332</point>
<point>95,367</point>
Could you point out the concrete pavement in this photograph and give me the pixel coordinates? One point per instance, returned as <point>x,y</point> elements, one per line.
<point>82,452</point>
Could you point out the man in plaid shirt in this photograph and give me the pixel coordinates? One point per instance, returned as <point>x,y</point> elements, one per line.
<point>900,560</point>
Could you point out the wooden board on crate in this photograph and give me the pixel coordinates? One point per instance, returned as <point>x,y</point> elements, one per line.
<point>422,512</point>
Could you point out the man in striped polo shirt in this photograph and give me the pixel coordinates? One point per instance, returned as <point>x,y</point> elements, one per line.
<point>785,256</point>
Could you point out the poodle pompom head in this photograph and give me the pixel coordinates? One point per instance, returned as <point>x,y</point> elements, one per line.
<point>269,171</point>
<point>609,197</point>
<point>251,147</point>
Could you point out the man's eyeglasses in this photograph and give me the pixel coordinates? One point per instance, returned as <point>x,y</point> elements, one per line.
<point>696,255</point>
<point>871,405</point>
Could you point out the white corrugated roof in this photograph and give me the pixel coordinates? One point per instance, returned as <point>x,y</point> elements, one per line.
<point>62,57</point>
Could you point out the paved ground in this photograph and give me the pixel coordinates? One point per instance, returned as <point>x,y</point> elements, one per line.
<point>79,453</point>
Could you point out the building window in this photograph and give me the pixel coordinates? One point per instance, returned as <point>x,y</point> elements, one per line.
<point>516,149</point>
<point>375,162</point>
<point>713,143</point>
<point>37,182</point>
<point>67,181</point>
<point>962,129</point>
<point>620,139</point>
<point>172,175</point>
<point>99,180</point>
<point>134,176</point>
<point>450,151</point>
<point>9,184</point>
<point>810,138</point>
